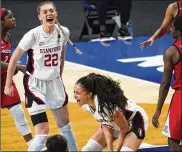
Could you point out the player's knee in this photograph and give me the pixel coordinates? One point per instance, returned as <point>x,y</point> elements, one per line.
<point>40,122</point>
<point>18,114</point>
<point>92,145</point>
<point>126,149</point>
<point>42,128</point>
<point>20,120</point>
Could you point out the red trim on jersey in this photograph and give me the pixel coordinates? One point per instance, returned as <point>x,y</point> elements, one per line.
<point>177,67</point>
<point>179,8</point>
<point>30,63</point>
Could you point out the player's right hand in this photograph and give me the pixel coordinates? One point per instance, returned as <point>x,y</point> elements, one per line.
<point>146,43</point>
<point>8,90</point>
<point>155,119</point>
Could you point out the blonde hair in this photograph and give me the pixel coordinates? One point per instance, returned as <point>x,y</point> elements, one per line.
<point>43,3</point>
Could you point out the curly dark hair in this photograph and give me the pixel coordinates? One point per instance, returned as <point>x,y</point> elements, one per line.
<point>108,91</point>
<point>178,23</point>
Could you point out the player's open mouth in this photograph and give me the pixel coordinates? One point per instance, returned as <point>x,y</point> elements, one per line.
<point>49,20</point>
<point>78,101</point>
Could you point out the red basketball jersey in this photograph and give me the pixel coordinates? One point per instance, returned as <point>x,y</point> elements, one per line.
<point>179,8</point>
<point>5,51</point>
<point>178,67</point>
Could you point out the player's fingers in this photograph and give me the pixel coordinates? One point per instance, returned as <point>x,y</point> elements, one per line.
<point>151,43</point>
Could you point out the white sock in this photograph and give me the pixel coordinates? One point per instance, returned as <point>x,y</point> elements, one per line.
<point>29,142</point>
<point>38,143</point>
<point>69,135</point>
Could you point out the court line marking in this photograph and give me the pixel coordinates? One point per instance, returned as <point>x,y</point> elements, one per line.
<point>117,74</point>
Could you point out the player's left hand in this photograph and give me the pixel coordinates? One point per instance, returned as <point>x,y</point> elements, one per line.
<point>155,118</point>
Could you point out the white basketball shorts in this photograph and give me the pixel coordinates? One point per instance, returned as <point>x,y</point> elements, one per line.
<point>41,94</point>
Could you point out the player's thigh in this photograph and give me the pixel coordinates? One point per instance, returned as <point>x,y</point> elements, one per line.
<point>131,141</point>
<point>57,98</point>
<point>99,137</point>
<point>61,115</point>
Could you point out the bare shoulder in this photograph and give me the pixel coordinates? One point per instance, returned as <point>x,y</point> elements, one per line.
<point>170,52</point>
<point>172,8</point>
<point>173,5</point>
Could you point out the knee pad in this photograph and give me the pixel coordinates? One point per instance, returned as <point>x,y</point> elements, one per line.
<point>19,119</point>
<point>126,149</point>
<point>92,145</point>
<point>70,137</point>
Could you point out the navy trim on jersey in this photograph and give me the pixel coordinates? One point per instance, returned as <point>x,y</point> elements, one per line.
<point>29,95</point>
<point>30,63</point>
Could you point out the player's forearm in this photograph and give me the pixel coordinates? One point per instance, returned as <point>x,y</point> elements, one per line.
<point>4,66</point>
<point>122,134</point>
<point>159,33</point>
<point>108,132</point>
<point>163,91</point>
<point>10,72</point>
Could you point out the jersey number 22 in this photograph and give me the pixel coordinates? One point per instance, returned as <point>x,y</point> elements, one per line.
<point>51,60</point>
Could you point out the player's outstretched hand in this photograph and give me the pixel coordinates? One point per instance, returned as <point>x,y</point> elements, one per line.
<point>147,43</point>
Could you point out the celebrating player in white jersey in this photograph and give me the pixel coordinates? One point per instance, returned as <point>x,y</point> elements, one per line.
<point>46,47</point>
<point>120,119</point>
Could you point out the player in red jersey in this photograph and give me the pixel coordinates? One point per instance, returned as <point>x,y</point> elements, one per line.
<point>173,10</point>
<point>172,62</point>
<point>13,103</point>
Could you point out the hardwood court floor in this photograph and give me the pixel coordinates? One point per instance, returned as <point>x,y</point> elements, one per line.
<point>144,93</point>
<point>83,125</point>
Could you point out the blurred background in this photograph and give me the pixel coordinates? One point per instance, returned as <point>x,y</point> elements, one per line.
<point>146,16</point>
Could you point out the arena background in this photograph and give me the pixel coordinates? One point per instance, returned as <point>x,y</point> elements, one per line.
<point>137,69</point>
<point>146,16</point>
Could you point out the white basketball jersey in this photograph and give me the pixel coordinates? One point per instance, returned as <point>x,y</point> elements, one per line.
<point>44,51</point>
<point>131,107</point>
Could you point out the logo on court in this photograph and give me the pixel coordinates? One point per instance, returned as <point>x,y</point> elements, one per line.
<point>165,129</point>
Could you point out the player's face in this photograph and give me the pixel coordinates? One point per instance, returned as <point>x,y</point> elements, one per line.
<point>82,97</point>
<point>9,20</point>
<point>48,14</point>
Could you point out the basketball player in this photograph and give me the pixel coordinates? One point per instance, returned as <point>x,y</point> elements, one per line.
<point>13,104</point>
<point>172,61</point>
<point>57,143</point>
<point>120,118</point>
<point>173,10</point>
<point>46,47</point>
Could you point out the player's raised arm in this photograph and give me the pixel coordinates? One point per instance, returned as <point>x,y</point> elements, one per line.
<point>164,28</point>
